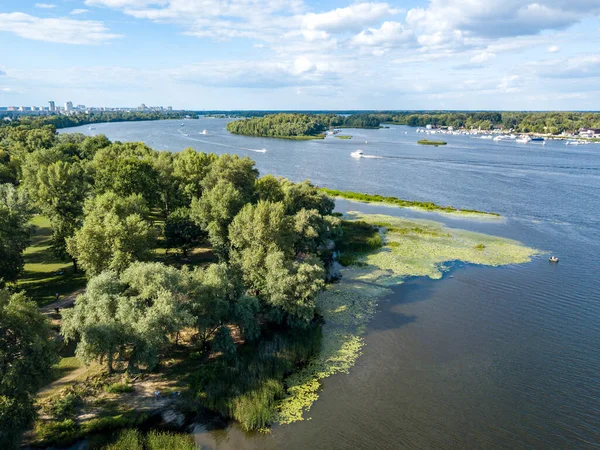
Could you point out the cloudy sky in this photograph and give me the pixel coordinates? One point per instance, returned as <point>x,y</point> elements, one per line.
<point>302,54</point>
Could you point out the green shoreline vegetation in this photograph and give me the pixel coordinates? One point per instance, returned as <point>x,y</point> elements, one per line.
<point>343,136</point>
<point>428,142</point>
<point>201,279</point>
<point>427,206</point>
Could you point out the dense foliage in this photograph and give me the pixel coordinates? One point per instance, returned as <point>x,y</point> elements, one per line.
<point>295,125</point>
<point>77,119</point>
<point>26,356</point>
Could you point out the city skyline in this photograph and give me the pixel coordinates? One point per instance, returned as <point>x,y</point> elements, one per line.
<point>296,54</point>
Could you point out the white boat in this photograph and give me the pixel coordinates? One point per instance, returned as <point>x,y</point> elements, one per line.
<point>576,143</point>
<point>204,132</point>
<point>487,137</point>
<point>91,128</point>
<point>264,150</point>
<point>183,124</point>
<point>502,137</point>
<point>524,140</point>
<point>357,154</point>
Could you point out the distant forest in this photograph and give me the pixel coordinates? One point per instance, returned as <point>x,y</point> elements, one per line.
<point>264,123</point>
<point>74,120</point>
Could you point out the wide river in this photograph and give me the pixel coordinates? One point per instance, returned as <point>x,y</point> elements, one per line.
<point>484,358</point>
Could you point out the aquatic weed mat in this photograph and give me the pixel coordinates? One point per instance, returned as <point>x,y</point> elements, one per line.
<point>412,247</point>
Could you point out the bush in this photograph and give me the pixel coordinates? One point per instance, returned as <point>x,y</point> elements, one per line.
<point>57,433</point>
<point>119,388</point>
<point>113,422</point>
<point>62,405</point>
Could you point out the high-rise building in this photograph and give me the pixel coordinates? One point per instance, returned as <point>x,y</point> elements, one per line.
<point>69,106</point>
<point>52,105</point>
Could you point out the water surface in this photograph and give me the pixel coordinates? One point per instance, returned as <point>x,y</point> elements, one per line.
<point>485,358</point>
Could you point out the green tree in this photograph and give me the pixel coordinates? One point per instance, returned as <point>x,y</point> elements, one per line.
<point>14,231</point>
<point>214,211</point>
<point>133,315</point>
<point>182,232</point>
<point>127,169</point>
<point>293,286</point>
<point>189,168</point>
<point>240,172</point>
<point>113,235</point>
<point>60,191</point>
<point>27,354</point>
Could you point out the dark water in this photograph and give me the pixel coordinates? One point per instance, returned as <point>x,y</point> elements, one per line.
<point>485,358</point>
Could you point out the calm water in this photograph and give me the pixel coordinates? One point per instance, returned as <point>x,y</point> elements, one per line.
<point>485,358</point>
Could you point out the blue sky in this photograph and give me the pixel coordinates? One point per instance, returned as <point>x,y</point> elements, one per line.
<point>302,54</point>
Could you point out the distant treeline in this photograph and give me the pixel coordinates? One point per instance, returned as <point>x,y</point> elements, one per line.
<point>293,125</point>
<point>264,123</point>
<point>63,121</point>
<point>523,122</point>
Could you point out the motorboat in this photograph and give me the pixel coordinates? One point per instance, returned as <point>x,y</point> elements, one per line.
<point>357,154</point>
<point>524,140</point>
<point>502,137</point>
<point>538,139</point>
<point>553,259</point>
<point>204,132</point>
<point>575,143</point>
<point>91,128</point>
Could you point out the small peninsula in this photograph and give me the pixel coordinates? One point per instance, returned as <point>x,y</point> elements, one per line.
<point>401,203</point>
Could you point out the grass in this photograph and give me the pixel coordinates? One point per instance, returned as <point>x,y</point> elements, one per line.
<point>428,142</point>
<point>154,440</point>
<point>427,206</point>
<point>119,388</point>
<point>40,278</point>
<point>250,388</point>
<point>344,136</point>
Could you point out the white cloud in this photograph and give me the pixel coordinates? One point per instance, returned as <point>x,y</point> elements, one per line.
<point>77,12</point>
<point>442,21</point>
<point>482,57</point>
<point>389,34</point>
<point>59,30</point>
<point>511,83</point>
<point>351,18</point>
<point>553,49</point>
<point>584,66</point>
<point>45,5</point>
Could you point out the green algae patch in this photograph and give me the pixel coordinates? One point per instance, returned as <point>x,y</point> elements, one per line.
<point>411,247</point>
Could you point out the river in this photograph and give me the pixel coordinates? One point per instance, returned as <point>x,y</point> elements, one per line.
<point>484,358</point>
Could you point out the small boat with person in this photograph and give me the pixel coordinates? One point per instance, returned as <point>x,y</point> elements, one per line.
<point>553,259</point>
<point>357,154</point>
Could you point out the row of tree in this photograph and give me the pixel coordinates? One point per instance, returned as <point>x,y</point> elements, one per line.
<point>81,118</point>
<point>523,122</point>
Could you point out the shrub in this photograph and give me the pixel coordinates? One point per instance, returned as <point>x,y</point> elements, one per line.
<point>62,405</point>
<point>57,433</point>
<point>119,388</point>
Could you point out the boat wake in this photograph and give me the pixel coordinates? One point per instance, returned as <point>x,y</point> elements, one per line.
<point>255,150</point>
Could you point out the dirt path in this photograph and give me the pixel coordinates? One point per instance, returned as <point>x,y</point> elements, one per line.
<point>66,302</point>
